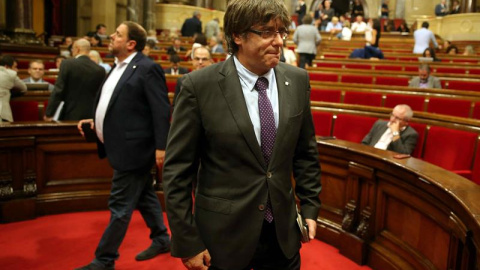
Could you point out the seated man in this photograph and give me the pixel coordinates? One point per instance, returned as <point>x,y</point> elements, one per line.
<point>394,135</point>
<point>359,26</point>
<point>424,80</point>
<point>175,69</point>
<point>36,69</point>
<point>176,47</point>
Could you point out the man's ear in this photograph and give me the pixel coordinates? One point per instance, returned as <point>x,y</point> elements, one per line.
<point>131,45</point>
<point>238,39</point>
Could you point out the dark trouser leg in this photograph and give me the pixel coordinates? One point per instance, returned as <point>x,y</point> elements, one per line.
<point>151,211</point>
<point>127,188</point>
<point>310,58</point>
<point>303,59</point>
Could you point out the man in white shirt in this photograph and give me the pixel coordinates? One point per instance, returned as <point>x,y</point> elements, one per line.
<point>422,37</point>
<point>359,26</point>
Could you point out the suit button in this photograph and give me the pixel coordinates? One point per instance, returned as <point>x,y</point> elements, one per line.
<point>269,175</point>
<point>261,207</point>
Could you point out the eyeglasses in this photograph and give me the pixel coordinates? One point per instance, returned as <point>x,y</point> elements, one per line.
<point>201,59</point>
<point>269,34</point>
<point>396,117</point>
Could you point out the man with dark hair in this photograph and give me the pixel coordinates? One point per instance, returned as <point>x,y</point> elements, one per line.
<point>131,124</point>
<point>241,129</point>
<point>175,69</point>
<point>9,82</point>
<point>76,86</point>
<point>36,69</point>
<point>9,62</point>
<point>176,47</point>
<point>101,31</point>
<point>192,25</point>
<point>422,37</point>
<point>424,80</point>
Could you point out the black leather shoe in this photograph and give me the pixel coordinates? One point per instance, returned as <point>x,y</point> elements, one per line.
<point>95,267</point>
<point>151,252</point>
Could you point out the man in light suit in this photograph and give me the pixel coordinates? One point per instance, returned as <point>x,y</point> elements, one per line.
<point>9,82</point>
<point>241,128</point>
<point>77,85</point>
<point>131,123</point>
<point>394,135</point>
<point>307,38</point>
<point>424,80</point>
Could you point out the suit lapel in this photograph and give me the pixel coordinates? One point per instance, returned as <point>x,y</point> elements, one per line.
<point>232,92</point>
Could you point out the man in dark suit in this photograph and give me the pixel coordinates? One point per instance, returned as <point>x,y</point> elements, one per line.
<point>175,68</point>
<point>192,25</point>
<point>241,128</point>
<point>131,123</point>
<point>77,85</point>
<point>394,135</point>
<point>176,47</point>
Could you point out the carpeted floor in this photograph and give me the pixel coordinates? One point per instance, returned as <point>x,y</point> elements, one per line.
<point>68,241</point>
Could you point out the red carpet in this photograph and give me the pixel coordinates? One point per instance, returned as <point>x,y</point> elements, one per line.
<point>69,240</point>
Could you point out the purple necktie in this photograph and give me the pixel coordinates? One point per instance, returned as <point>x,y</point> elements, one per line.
<point>268,131</point>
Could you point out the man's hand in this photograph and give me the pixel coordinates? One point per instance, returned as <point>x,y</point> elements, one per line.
<point>159,157</point>
<point>395,126</point>
<point>79,126</point>
<point>47,119</point>
<point>312,228</point>
<point>201,261</point>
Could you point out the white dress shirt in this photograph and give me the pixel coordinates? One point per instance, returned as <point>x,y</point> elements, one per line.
<point>248,80</point>
<point>107,91</point>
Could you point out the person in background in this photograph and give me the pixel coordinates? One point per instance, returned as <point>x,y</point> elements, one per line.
<point>101,31</point>
<point>152,35</point>
<point>212,28</point>
<point>199,40</point>
<point>301,10</point>
<point>429,52</point>
<point>469,50</point>
<point>9,83</point>
<point>403,27</point>
<point>175,68</point>
<point>288,56</point>
<point>95,41</point>
<point>76,86</point>
<point>176,47</point>
<point>452,50</point>
<point>241,132</point>
<point>357,9</point>
<point>95,57</point>
<point>58,61</point>
<point>394,135</point>
<point>359,26</point>
<point>384,9</point>
<point>346,33</point>
<point>441,9</point>
<point>424,80</point>
<point>422,38</point>
<point>131,123</point>
<point>327,14</point>
<point>455,7</point>
<point>214,46</point>
<point>201,58</point>
<point>334,27</point>
<point>368,52</point>
<point>36,69</point>
<point>307,38</point>
<point>67,41</point>
<point>192,25</point>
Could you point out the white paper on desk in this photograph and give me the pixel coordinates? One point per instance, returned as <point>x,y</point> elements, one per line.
<point>58,111</point>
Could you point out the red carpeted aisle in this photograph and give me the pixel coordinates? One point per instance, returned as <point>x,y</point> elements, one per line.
<point>67,241</point>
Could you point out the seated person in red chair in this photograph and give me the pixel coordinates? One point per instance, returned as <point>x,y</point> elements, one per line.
<point>36,70</point>
<point>424,79</point>
<point>394,135</point>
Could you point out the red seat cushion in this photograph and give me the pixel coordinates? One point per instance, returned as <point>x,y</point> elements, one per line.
<point>171,86</point>
<point>357,79</point>
<point>352,127</point>
<point>453,107</point>
<point>476,166</point>
<point>323,77</point>
<point>464,85</point>
<point>476,111</point>
<point>385,80</point>
<point>323,122</point>
<point>24,110</point>
<point>363,98</point>
<point>329,65</point>
<point>358,66</point>
<point>385,67</point>
<point>325,95</point>
<point>415,102</point>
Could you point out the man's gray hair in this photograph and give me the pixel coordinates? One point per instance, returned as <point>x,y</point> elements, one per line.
<point>408,111</point>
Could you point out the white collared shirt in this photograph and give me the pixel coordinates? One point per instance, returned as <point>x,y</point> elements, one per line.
<point>248,80</point>
<point>386,138</point>
<point>107,91</point>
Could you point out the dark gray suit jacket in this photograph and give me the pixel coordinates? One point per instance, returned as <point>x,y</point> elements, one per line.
<point>405,145</point>
<point>137,119</point>
<point>212,143</point>
<point>77,85</point>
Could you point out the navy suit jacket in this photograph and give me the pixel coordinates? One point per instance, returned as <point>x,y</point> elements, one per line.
<point>137,118</point>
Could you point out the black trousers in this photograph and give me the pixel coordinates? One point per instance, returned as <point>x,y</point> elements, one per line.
<point>268,254</point>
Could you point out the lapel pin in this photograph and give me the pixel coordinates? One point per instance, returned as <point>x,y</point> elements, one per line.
<point>134,66</point>
<point>286,83</point>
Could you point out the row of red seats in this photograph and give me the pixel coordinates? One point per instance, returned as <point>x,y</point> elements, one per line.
<point>447,106</point>
<point>454,150</point>
<point>343,55</point>
<point>389,80</point>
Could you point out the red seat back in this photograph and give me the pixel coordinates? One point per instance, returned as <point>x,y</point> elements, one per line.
<point>464,85</point>
<point>450,70</point>
<point>387,67</point>
<point>171,86</point>
<point>449,148</point>
<point>476,165</point>
<point>385,80</point>
<point>323,77</point>
<point>420,129</point>
<point>453,107</point>
<point>415,102</point>
<point>325,95</point>
<point>323,123</point>
<point>352,127</point>
<point>357,79</point>
<point>24,110</point>
<point>358,66</point>
<point>476,111</point>
<point>328,65</point>
<point>363,98</point>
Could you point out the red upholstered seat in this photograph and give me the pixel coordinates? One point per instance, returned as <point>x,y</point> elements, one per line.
<point>325,95</point>
<point>415,102</point>
<point>474,71</point>
<point>387,67</point>
<point>24,110</point>
<point>390,80</point>
<point>323,77</point>
<point>323,123</point>
<point>363,98</point>
<point>475,61</point>
<point>23,64</point>
<point>332,55</point>
<point>357,79</point>
<point>352,127</point>
<point>450,70</point>
<point>464,85</point>
<point>328,65</point>
<point>51,80</point>
<point>476,111</point>
<point>358,66</point>
<point>476,166</point>
<point>49,65</point>
<point>411,68</point>
<point>171,86</point>
<point>450,149</point>
<point>420,129</point>
<point>453,107</point>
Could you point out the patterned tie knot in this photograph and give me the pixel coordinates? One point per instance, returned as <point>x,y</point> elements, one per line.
<point>261,84</point>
